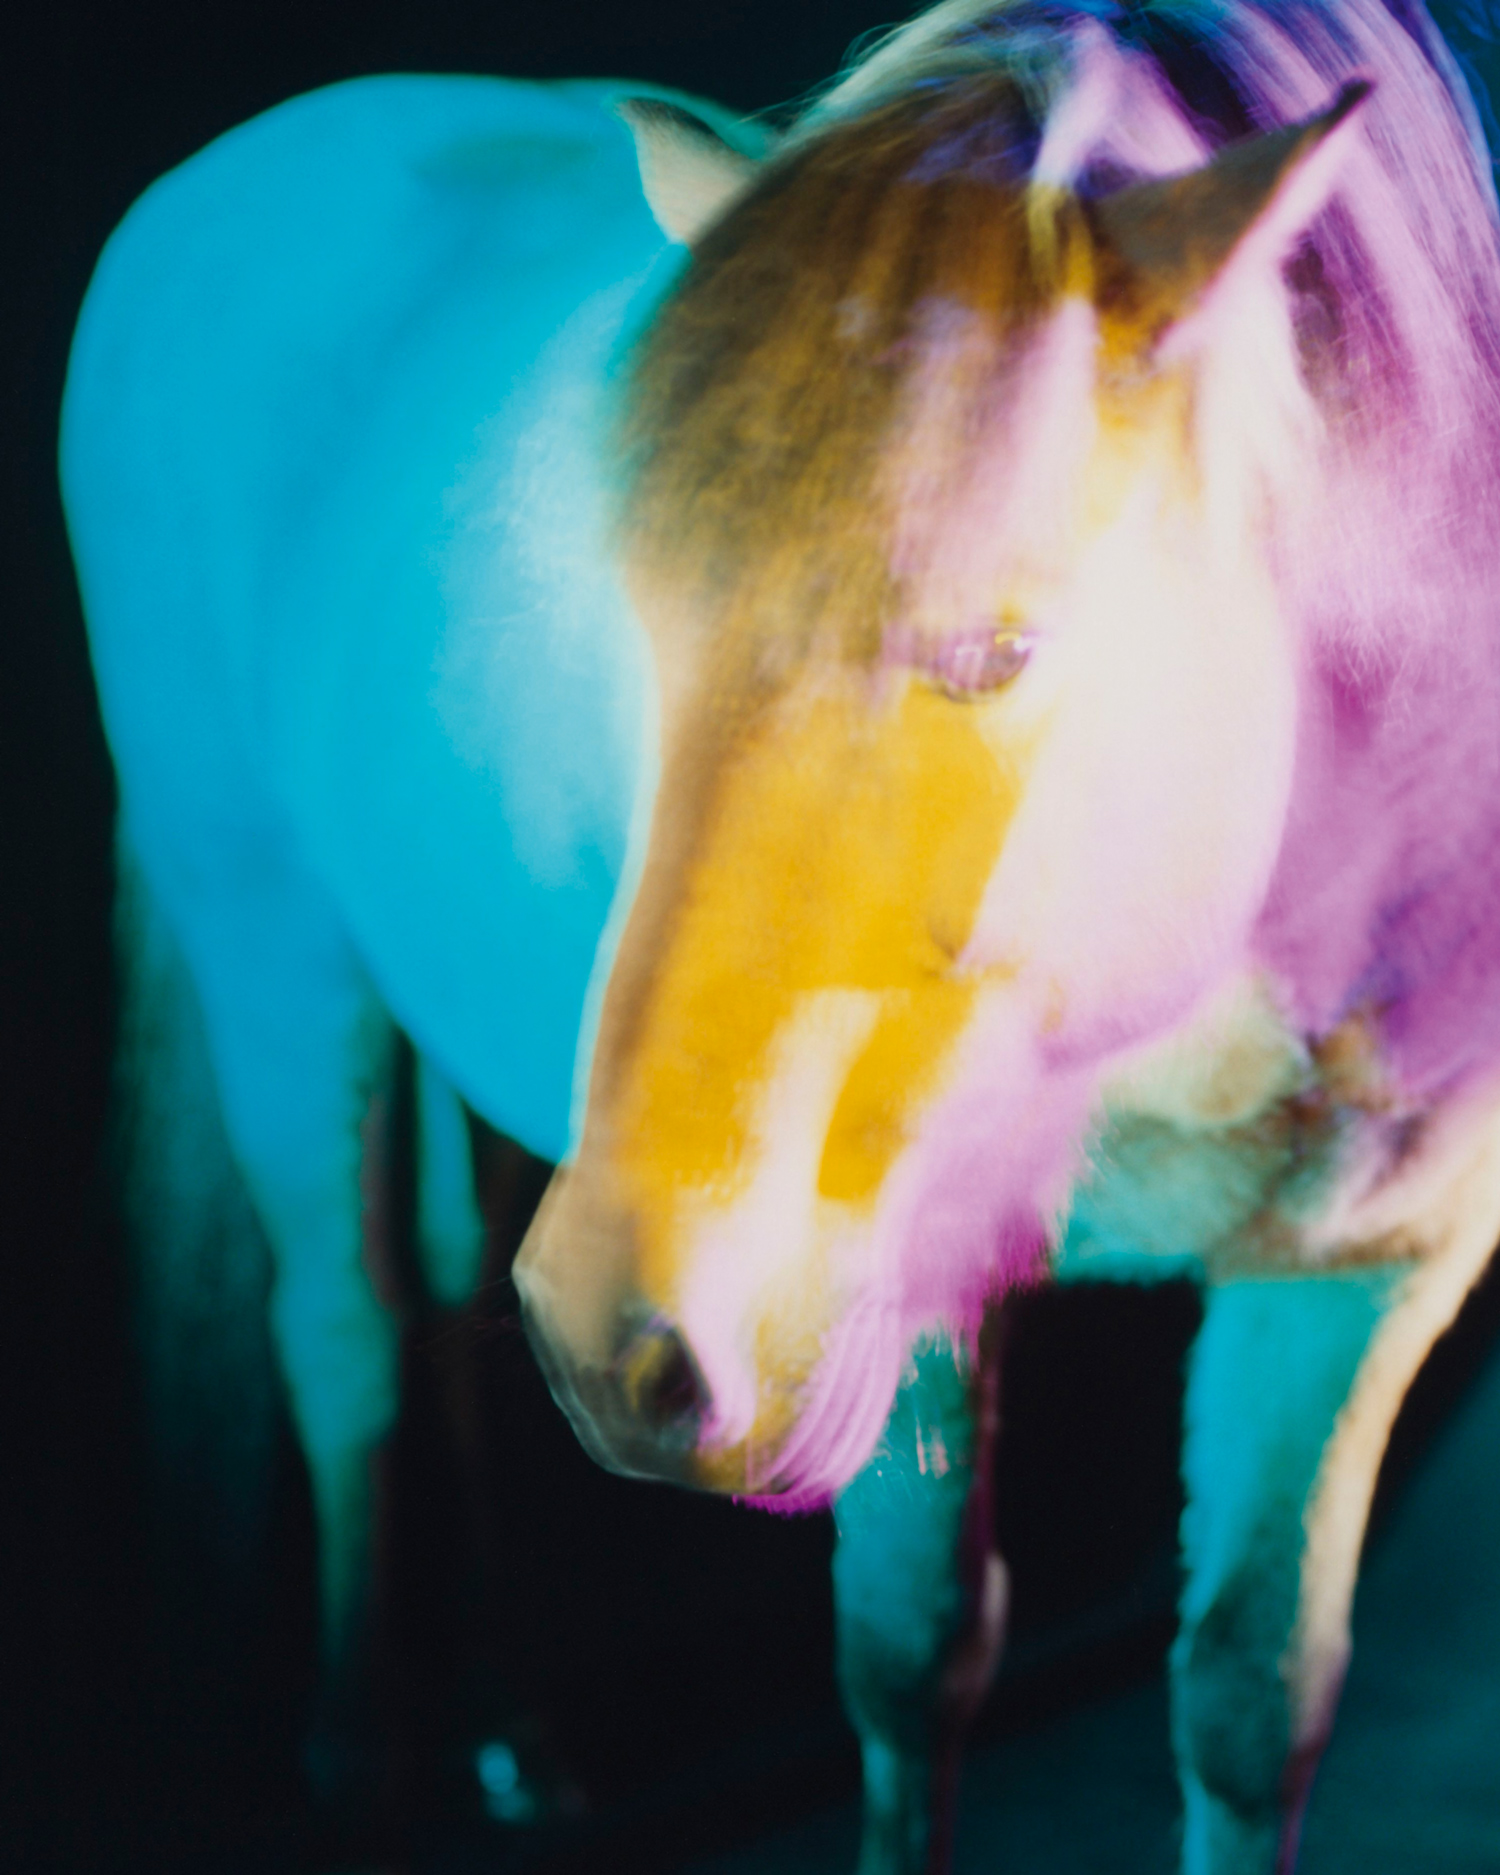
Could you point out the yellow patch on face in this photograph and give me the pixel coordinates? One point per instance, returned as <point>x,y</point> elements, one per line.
<point>847,846</point>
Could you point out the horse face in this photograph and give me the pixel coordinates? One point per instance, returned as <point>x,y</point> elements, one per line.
<point>787,995</point>
<point>910,891</point>
<point>891,916</point>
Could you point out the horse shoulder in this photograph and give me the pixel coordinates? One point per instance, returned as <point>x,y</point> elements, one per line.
<point>266,305</point>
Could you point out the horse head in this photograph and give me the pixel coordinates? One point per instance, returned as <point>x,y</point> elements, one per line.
<point>942,505</point>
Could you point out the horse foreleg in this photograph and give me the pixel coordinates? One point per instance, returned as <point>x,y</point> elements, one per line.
<point>1421,1309</point>
<point>920,1595</point>
<point>475,1194</point>
<point>336,1334</point>
<point>1294,1385</point>
<point>1272,1367</point>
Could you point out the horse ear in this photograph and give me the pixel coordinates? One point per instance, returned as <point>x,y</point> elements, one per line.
<point>689,173</point>
<point>1160,245</point>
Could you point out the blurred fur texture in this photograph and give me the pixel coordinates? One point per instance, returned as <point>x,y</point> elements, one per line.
<point>866,414</point>
<point>768,396</point>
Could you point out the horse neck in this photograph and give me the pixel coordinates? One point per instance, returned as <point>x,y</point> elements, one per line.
<point>1386,896</point>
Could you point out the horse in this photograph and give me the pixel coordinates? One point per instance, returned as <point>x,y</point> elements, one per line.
<point>915,701</point>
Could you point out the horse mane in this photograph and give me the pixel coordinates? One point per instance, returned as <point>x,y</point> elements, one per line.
<point>761,408</point>
<point>765,400</point>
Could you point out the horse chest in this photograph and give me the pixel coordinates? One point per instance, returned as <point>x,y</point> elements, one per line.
<point>1159,1196</point>
<point>1222,1149</point>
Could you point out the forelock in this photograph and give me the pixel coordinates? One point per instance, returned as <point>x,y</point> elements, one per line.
<point>882,253</point>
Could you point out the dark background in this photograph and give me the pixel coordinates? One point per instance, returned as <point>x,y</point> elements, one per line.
<point>676,1651</point>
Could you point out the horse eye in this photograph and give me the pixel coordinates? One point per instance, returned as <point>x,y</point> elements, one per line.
<point>977,663</point>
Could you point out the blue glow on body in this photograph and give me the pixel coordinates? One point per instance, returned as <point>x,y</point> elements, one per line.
<point>381,717</point>
<point>330,452</point>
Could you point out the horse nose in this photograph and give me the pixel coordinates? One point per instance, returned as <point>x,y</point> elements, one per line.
<point>662,1388</point>
<point>636,1396</point>
<point>620,1367</point>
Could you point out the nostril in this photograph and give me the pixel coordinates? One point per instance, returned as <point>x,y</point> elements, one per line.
<point>663,1384</point>
<point>677,1389</point>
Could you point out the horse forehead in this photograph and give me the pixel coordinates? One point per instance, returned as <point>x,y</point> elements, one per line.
<point>864,786</point>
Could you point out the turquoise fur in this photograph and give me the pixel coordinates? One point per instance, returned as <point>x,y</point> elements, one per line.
<point>1272,1366</point>
<point>903,1608</point>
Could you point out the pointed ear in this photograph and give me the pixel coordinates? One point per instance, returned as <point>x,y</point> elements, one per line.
<point>1159,245</point>
<point>690,175</point>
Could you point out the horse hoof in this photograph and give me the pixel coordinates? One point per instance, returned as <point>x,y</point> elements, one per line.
<point>519,1783</point>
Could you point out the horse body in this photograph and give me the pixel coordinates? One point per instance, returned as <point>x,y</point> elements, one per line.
<point>332,479</point>
<point>1031,554</point>
<point>393,582</point>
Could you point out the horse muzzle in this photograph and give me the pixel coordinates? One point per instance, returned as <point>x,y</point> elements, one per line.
<point>641,1413</point>
<point>626,1376</point>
